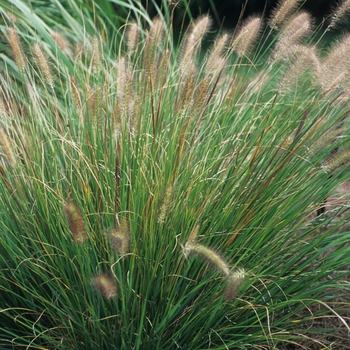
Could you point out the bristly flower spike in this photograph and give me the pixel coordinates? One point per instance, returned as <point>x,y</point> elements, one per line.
<point>209,255</point>
<point>6,146</point>
<point>192,42</point>
<point>75,222</point>
<point>247,36</point>
<point>16,48</point>
<point>120,237</point>
<point>282,12</point>
<point>339,13</point>
<point>234,281</point>
<point>105,285</point>
<point>43,64</point>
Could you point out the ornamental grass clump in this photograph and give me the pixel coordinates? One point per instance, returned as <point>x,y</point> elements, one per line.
<point>164,196</point>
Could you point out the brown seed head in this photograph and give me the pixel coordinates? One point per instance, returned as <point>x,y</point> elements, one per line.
<point>234,281</point>
<point>105,285</point>
<point>16,48</point>
<point>75,222</point>
<point>43,64</point>
<point>6,146</point>
<point>120,238</point>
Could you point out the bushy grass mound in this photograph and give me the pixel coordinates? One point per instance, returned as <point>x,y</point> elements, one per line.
<point>155,196</point>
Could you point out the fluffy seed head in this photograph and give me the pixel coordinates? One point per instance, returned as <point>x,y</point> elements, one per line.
<point>96,54</point>
<point>105,285</point>
<point>75,93</point>
<point>75,222</point>
<point>305,61</point>
<point>166,203</point>
<point>61,41</point>
<point>234,281</point>
<point>133,34</point>
<point>215,58</point>
<point>43,64</point>
<point>12,17</point>
<point>297,28</point>
<point>16,48</point>
<point>283,11</point>
<point>247,36</point>
<point>338,161</point>
<point>120,238</point>
<point>208,254</point>
<point>339,13</point>
<point>6,146</point>
<point>192,41</point>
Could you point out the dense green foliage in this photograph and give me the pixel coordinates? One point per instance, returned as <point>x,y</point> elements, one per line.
<point>162,197</point>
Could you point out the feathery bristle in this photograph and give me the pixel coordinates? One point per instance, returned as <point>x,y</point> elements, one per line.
<point>247,36</point>
<point>297,28</point>
<point>6,146</point>
<point>338,161</point>
<point>215,60</point>
<point>61,41</point>
<point>156,32</point>
<point>305,61</point>
<point>166,203</point>
<point>120,237</point>
<point>43,64</point>
<point>193,40</point>
<point>208,254</point>
<point>121,78</point>
<point>283,11</point>
<point>234,281</point>
<point>12,17</point>
<point>75,222</point>
<point>133,34</point>
<point>75,93</point>
<point>335,66</point>
<point>105,285</point>
<point>339,13</point>
<point>96,54</point>
<point>16,48</point>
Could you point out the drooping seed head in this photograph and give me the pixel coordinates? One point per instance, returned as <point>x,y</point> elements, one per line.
<point>209,255</point>
<point>105,285</point>
<point>234,281</point>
